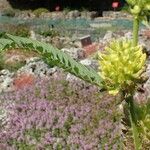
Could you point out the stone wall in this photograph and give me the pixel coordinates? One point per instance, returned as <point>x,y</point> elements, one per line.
<point>116,14</point>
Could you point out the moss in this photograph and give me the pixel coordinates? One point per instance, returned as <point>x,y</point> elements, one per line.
<point>39,11</point>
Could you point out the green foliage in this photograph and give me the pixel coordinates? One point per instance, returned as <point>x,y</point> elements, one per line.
<point>66,10</point>
<point>50,32</point>
<point>11,66</point>
<point>143,112</point>
<point>18,30</point>
<point>2,34</point>
<point>52,56</point>
<point>22,30</point>
<point>22,145</point>
<point>101,31</point>
<point>125,8</point>
<point>1,62</point>
<point>121,67</point>
<point>36,134</point>
<point>5,43</point>
<point>9,12</point>
<point>139,8</point>
<point>39,11</point>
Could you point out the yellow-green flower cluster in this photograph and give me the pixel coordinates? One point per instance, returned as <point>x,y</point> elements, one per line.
<point>121,65</point>
<point>139,6</point>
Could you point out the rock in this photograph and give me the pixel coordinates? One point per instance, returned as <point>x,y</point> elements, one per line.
<point>77,44</point>
<point>4,4</point>
<point>72,78</point>
<point>72,42</point>
<point>144,95</point>
<point>76,13</point>
<point>144,41</point>
<point>32,60</point>
<point>146,47</point>
<point>93,14</point>
<point>84,14</point>
<point>8,13</point>
<point>115,14</point>
<point>32,35</point>
<point>37,67</point>
<point>128,35</point>
<point>88,15</point>
<point>77,82</point>
<point>25,15</point>
<point>147,87</point>
<point>47,39</point>
<point>90,63</point>
<point>13,59</point>
<point>147,84</point>
<point>70,15</point>
<point>106,14</point>
<point>5,73</point>
<point>108,36</point>
<point>75,53</point>
<point>73,14</point>
<point>58,42</point>
<point>46,15</point>
<point>57,15</point>
<point>6,81</point>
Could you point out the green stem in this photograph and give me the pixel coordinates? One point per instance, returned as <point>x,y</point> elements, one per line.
<point>135,30</point>
<point>133,120</point>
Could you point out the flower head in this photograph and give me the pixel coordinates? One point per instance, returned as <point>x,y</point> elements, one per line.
<point>121,65</point>
<point>139,7</point>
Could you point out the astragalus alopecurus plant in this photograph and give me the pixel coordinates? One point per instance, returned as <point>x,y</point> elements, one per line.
<point>121,64</point>
<point>121,67</point>
<point>139,9</point>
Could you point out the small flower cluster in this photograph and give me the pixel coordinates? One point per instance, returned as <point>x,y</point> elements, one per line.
<point>55,114</point>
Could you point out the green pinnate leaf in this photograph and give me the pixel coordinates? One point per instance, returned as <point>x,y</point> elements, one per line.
<point>53,56</point>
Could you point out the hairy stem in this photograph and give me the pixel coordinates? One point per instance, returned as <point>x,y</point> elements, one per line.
<point>135,30</point>
<point>133,120</point>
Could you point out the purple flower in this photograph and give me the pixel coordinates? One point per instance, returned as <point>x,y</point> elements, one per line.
<point>51,113</point>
